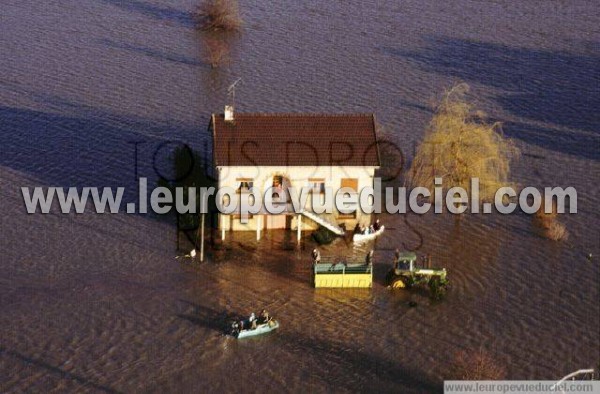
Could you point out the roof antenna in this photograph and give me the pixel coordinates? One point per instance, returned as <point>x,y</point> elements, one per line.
<point>229,108</point>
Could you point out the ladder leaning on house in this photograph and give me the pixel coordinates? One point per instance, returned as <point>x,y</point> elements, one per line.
<point>334,228</point>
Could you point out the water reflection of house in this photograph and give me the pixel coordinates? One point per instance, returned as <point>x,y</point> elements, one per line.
<point>255,152</point>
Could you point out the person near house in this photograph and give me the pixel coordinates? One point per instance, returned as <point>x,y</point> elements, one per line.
<point>316,256</point>
<point>369,258</point>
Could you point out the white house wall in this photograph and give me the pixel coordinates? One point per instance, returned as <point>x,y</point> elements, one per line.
<point>298,177</point>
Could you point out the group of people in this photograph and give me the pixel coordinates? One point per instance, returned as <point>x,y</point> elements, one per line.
<point>360,229</point>
<point>253,321</point>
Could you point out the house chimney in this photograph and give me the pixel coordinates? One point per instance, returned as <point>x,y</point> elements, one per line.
<point>229,113</point>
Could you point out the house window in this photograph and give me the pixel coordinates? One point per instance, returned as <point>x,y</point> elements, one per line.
<point>245,185</point>
<point>226,200</point>
<point>351,183</point>
<point>239,217</point>
<point>278,193</point>
<point>277,181</point>
<point>317,185</point>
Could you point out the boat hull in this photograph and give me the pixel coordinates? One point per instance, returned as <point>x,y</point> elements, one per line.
<point>260,330</point>
<point>367,237</point>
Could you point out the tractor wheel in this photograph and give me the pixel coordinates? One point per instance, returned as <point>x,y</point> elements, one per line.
<point>398,283</point>
<point>437,288</point>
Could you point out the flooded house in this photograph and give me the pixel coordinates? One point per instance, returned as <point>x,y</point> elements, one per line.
<point>269,152</point>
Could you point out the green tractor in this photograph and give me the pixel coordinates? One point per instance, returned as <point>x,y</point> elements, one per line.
<point>405,274</point>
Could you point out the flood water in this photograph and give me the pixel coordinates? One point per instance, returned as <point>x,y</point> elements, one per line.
<point>96,93</point>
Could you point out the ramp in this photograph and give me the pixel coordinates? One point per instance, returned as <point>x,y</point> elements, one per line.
<point>334,228</point>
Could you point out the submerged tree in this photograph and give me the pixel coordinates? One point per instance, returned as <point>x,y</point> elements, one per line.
<point>219,15</point>
<point>216,49</point>
<point>548,226</point>
<point>219,21</point>
<point>476,365</point>
<point>461,144</point>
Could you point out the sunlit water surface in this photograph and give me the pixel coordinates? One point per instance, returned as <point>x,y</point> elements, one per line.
<point>89,90</point>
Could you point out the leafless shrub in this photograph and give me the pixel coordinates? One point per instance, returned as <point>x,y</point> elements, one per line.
<point>219,15</point>
<point>556,231</point>
<point>548,225</point>
<point>476,365</point>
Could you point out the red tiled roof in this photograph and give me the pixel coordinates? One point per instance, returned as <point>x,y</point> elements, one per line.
<point>295,140</point>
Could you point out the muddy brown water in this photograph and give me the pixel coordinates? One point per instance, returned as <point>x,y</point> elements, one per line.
<point>90,90</point>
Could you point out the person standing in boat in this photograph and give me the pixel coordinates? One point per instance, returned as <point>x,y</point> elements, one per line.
<point>252,321</point>
<point>376,225</point>
<point>264,317</point>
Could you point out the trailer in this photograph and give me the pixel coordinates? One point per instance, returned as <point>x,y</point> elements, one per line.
<point>342,274</point>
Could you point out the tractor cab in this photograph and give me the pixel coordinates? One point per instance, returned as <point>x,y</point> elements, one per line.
<point>405,262</point>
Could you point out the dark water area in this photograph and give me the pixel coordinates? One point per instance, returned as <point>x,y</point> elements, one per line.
<point>98,92</point>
